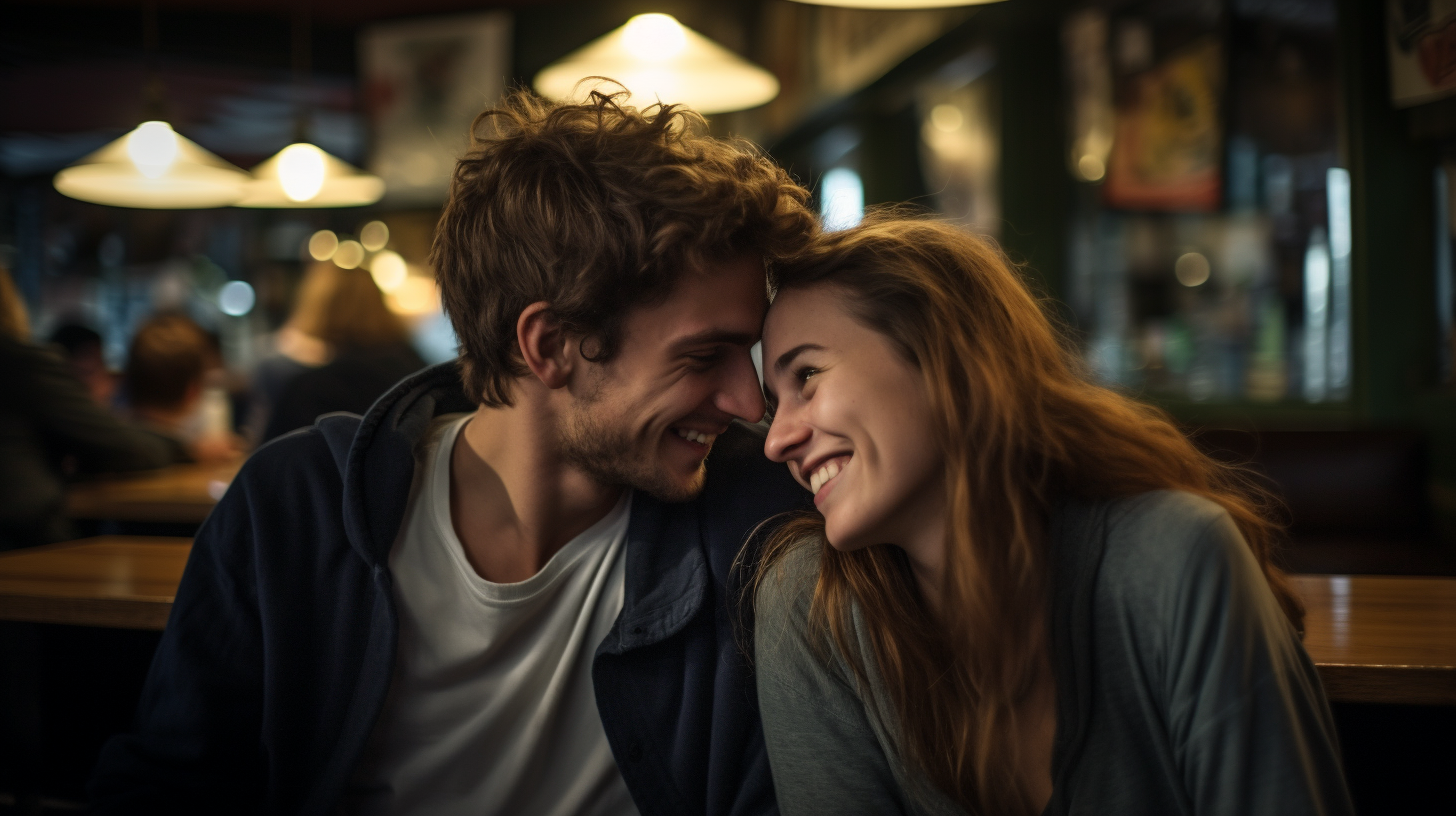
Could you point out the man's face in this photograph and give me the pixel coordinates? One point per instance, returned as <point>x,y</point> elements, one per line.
<point>648,417</point>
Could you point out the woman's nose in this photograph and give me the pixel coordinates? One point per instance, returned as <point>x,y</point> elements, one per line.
<point>785,435</point>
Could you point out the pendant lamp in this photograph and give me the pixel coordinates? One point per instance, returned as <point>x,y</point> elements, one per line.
<point>304,175</point>
<point>659,59</point>
<point>891,5</point>
<point>153,167</point>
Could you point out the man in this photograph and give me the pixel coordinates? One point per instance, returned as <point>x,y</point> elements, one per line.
<point>509,594</point>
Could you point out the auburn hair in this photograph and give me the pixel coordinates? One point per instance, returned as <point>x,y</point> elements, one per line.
<point>594,208</point>
<point>1022,428</point>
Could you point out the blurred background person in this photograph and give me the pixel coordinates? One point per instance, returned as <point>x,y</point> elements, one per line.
<point>82,347</point>
<point>173,386</point>
<point>369,352</point>
<point>297,346</point>
<point>50,424</point>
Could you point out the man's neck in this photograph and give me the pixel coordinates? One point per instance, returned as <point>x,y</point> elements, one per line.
<point>513,502</point>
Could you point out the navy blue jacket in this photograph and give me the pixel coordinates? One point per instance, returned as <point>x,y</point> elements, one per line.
<point>277,656</point>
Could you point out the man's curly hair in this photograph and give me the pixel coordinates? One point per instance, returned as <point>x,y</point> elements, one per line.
<point>595,208</point>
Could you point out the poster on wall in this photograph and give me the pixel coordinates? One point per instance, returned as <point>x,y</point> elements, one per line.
<point>1167,146</point>
<point>424,83</point>
<point>1421,39</point>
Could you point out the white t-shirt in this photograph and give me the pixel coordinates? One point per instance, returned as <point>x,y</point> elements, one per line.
<point>491,708</point>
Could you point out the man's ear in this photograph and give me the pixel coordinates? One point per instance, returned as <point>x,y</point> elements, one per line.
<point>544,345</point>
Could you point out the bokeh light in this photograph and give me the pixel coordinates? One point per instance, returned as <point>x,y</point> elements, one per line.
<point>389,270</point>
<point>374,236</point>
<point>349,254</point>
<point>236,298</point>
<point>322,245</point>
<point>1192,269</point>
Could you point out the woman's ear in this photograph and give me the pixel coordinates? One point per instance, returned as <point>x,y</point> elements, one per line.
<point>544,345</point>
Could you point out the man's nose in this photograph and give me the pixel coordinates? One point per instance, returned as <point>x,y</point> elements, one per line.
<point>741,394</point>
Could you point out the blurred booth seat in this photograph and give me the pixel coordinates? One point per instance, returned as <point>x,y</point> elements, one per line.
<point>1356,501</point>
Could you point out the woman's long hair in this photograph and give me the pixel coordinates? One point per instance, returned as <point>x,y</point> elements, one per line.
<point>1022,428</point>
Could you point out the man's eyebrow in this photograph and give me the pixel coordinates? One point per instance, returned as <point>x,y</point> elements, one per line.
<point>788,357</point>
<point>712,336</point>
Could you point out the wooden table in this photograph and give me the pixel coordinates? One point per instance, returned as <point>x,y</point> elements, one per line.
<point>124,582</point>
<point>1382,639</point>
<point>181,493</point>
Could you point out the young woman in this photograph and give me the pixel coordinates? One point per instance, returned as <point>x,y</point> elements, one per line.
<point>1022,593</point>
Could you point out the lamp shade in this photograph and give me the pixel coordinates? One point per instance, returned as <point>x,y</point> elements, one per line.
<point>303,175</point>
<point>659,59</point>
<point>153,167</point>
<point>898,4</point>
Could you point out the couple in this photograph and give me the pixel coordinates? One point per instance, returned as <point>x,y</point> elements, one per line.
<point>519,584</point>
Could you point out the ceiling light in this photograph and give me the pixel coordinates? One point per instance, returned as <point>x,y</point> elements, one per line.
<point>153,167</point>
<point>661,60</point>
<point>898,4</point>
<point>303,175</point>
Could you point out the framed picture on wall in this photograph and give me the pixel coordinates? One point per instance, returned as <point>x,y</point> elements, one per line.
<point>1168,129</point>
<point>424,83</point>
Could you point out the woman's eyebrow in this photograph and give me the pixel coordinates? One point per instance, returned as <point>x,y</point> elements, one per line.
<point>788,357</point>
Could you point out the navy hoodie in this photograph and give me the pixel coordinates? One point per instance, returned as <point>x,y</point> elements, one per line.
<point>277,657</point>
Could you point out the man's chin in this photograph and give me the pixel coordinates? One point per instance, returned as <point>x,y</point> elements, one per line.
<point>668,488</point>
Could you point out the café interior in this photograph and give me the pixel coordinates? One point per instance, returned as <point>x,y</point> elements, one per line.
<point>1240,211</point>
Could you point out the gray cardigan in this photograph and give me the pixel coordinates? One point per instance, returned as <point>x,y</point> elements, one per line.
<point>1181,686</point>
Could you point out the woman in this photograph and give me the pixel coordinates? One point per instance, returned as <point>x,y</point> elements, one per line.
<point>368,345</point>
<point>1022,593</point>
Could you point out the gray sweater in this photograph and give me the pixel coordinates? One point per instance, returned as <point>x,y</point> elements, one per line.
<point>1181,686</point>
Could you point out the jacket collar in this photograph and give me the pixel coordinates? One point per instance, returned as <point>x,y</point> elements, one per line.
<point>667,572</point>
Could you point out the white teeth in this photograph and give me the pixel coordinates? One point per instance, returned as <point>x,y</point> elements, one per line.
<point>822,475</point>
<point>694,436</point>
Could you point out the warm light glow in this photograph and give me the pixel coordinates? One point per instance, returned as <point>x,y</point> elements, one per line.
<point>156,168</point>
<point>152,148</point>
<point>898,4</point>
<point>654,36</point>
<point>389,270</point>
<point>301,171</point>
<point>322,245</point>
<point>349,255</point>
<point>374,236</point>
<point>236,298</point>
<point>947,118</point>
<point>659,59</point>
<point>416,296</point>
<point>1091,168</point>
<point>1191,269</point>
<point>303,175</point>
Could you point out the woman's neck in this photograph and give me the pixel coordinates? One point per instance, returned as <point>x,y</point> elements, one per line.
<point>924,545</point>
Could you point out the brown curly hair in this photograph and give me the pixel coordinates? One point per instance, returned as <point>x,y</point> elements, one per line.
<point>594,208</point>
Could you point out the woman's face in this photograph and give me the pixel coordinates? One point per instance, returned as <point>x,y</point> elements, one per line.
<point>852,421</point>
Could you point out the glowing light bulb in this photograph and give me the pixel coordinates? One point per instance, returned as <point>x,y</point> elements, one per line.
<point>301,171</point>
<point>389,270</point>
<point>374,236</point>
<point>322,245</point>
<point>152,148</point>
<point>350,254</point>
<point>654,36</point>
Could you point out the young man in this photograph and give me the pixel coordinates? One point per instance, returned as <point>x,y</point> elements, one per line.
<point>507,588</point>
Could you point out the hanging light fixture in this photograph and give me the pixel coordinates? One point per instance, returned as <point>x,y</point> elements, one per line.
<point>153,167</point>
<point>659,59</point>
<point>303,174</point>
<point>890,5</point>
